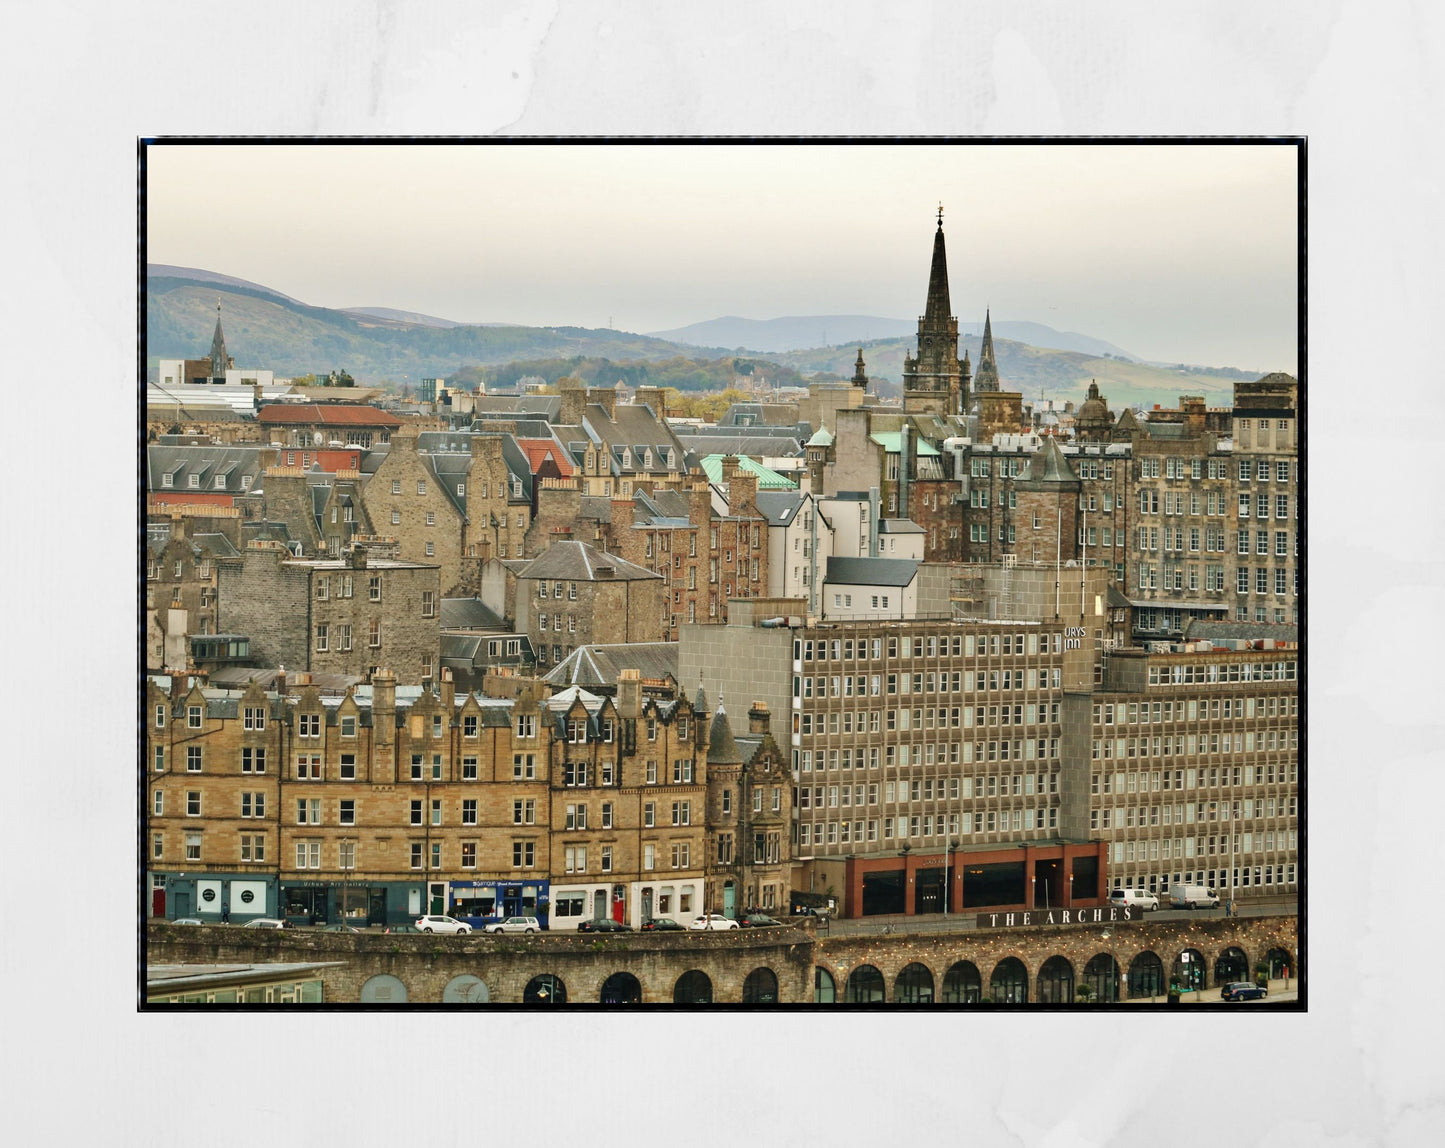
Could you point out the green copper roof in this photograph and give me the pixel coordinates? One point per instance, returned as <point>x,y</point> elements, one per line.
<point>768,479</point>
<point>890,441</point>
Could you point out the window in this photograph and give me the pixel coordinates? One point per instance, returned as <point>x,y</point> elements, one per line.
<point>527,725</point>
<point>193,717</point>
<point>373,637</point>
<point>416,855</point>
<point>649,814</point>
<point>469,768</point>
<point>524,811</point>
<point>347,811</point>
<point>193,759</point>
<point>524,854</point>
<point>193,846</point>
<point>159,758</point>
<point>420,486</point>
<point>682,812</point>
<point>428,603</point>
<point>681,855</point>
<point>524,766</point>
<point>193,803</point>
<point>396,486</point>
<point>253,761</point>
<point>396,518</point>
<point>309,725</point>
<point>373,587</point>
<point>649,857</point>
<point>346,855</point>
<point>469,854</point>
<point>158,803</point>
<point>322,631</point>
<point>607,858</point>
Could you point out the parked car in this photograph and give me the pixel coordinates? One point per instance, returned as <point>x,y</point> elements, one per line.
<point>437,923</point>
<point>340,929</point>
<point>402,929</point>
<point>660,925</point>
<point>757,921</point>
<point>603,925</point>
<point>264,923</point>
<point>1243,991</point>
<point>713,921</point>
<point>516,925</point>
<point>188,921</point>
<point>1192,897</point>
<point>1140,898</point>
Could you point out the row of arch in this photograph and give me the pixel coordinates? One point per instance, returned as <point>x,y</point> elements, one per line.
<point>693,987</point>
<point>963,983</point>
<point>1057,981</point>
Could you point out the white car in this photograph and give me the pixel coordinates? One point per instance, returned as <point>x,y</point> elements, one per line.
<point>264,923</point>
<point>515,925</point>
<point>436,923</point>
<point>710,921</point>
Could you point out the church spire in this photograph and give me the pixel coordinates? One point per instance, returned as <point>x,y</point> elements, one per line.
<point>987,377</point>
<point>860,377</point>
<point>936,310</point>
<point>219,361</point>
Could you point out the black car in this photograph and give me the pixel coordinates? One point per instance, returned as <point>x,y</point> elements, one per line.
<point>757,921</point>
<point>1242,991</point>
<point>661,925</point>
<point>603,925</point>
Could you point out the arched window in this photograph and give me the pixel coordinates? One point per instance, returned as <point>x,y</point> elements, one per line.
<point>1056,982</point>
<point>1188,970</point>
<point>761,987</point>
<point>865,986</point>
<point>1102,975</point>
<point>1146,976</point>
<point>693,987</point>
<point>466,989</point>
<point>914,986</point>
<point>383,989</point>
<point>621,988</point>
<point>962,984</point>
<point>545,989</point>
<point>1232,965</point>
<point>1280,964</point>
<point>1010,982</point>
<point>824,989</point>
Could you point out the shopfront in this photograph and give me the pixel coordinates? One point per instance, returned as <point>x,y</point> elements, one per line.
<point>214,897</point>
<point>485,902</point>
<point>1024,876</point>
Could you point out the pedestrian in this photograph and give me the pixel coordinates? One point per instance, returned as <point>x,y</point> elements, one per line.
<point>225,912</point>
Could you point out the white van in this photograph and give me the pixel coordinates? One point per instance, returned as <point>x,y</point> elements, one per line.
<point>1139,898</point>
<point>1192,897</point>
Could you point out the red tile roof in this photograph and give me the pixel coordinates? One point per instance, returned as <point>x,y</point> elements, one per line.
<point>326,414</point>
<point>539,449</point>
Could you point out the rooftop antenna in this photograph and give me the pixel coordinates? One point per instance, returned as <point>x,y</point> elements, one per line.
<point>940,215</point>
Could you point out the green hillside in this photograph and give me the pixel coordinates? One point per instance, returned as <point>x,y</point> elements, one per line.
<point>268,331</point>
<point>265,331</point>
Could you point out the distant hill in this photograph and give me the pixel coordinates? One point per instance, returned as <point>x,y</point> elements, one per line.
<point>391,315</point>
<point>1038,372</point>
<point>800,332</point>
<point>265,328</point>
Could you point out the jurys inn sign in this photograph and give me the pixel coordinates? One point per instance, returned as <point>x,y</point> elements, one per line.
<point>1104,915</point>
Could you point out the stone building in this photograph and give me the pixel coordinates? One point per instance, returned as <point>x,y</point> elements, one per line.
<point>386,801</point>
<point>574,595</point>
<point>749,817</point>
<point>181,584</point>
<point>340,615</point>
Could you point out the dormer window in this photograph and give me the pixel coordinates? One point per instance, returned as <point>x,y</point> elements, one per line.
<point>194,481</point>
<point>166,479</point>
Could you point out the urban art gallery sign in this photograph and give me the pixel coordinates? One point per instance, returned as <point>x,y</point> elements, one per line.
<point>1104,915</point>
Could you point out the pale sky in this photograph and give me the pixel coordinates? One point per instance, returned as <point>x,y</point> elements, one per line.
<point>1173,252</point>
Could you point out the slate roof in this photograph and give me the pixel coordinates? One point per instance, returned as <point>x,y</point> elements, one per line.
<point>1048,464</point>
<point>721,748</point>
<point>769,443</point>
<point>544,406</point>
<point>598,666</point>
<point>1237,631</point>
<point>898,526</point>
<point>779,507</point>
<point>578,562</point>
<point>468,614</point>
<point>232,463</point>
<point>871,571</point>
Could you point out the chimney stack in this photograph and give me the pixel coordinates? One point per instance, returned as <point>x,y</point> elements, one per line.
<point>448,692</point>
<point>629,694</point>
<point>759,717</point>
<point>383,726</point>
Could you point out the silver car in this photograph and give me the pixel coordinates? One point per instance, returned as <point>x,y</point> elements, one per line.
<point>516,925</point>
<point>436,923</point>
